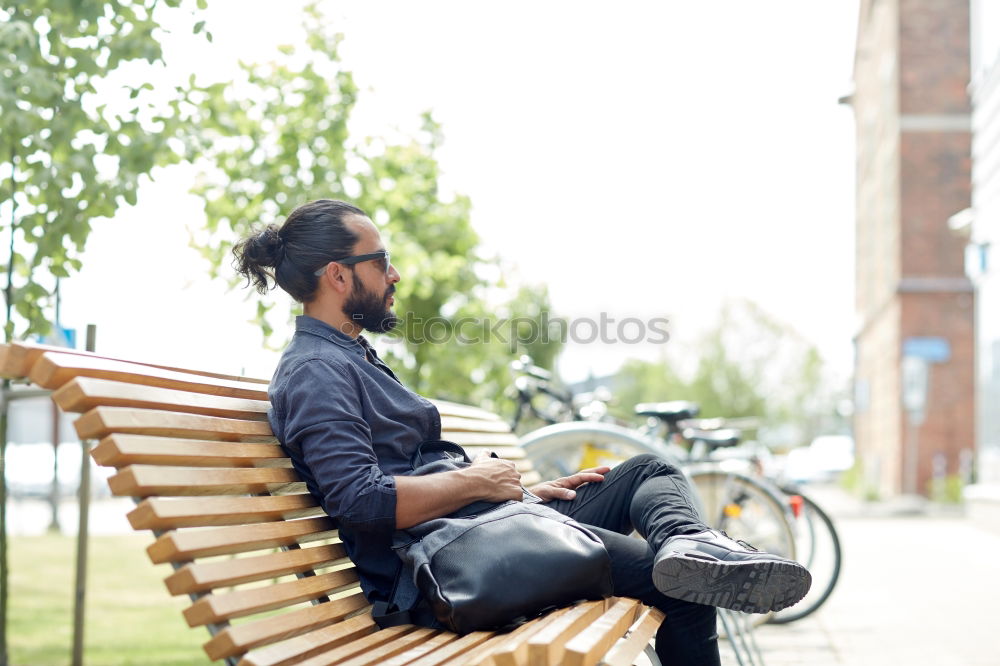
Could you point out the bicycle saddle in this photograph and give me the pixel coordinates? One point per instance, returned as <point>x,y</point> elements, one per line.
<point>673,411</point>
<point>715,439</point>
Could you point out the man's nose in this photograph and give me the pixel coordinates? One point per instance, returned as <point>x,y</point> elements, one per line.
<point>393,275</point>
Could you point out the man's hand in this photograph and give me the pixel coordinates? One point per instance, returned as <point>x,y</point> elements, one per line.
<point>565,487</point>
<point>421,498</point>
<point>497,480</point>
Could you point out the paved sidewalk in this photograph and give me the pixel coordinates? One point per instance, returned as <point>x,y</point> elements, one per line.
<point>914,590</point>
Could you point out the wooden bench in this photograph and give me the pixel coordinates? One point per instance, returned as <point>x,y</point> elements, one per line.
<point>259,559</point>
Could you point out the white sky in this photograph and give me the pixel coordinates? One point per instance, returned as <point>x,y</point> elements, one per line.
<point>642,159</point>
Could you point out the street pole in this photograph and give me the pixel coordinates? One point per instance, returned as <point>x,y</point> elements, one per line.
<point>916,383</point>
<point>82,533</point>
<point>54,494</point>
<point>8,332</point>
<point>912,454</point>
<point>3,523</point>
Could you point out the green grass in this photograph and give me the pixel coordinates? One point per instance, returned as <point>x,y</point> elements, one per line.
<point>130,616</point>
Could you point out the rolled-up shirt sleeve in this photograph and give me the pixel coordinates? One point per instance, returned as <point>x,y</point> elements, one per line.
<point>323,421</point>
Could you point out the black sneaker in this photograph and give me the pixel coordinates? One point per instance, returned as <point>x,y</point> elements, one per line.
<point>711,568</point>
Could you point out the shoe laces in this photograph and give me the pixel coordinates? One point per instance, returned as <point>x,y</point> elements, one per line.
<point>740,542</point>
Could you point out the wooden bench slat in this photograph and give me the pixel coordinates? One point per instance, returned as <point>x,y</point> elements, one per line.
<point>53,369</point>
<point>362,645</point>
<point>146,480</point>
<point>185,545</point>
<point>122,450</point>
<point>457,647</point>
<point>102,421</point>
<point>448,408</point>
<point>523,466</point>
<point>219,607</point>
<point>239,638</point>
<point>508,452</point>
<point>204,576</point>
<point>495,440</point>
<point>85,393</point>
<point>483,653</point>
<point>311,643</point>
<point>420,648</point>
<point>590,645</point>
<point>17,358</point>
<point>529,479</point>
<point>166,514</point>
<point>459,424</point>
<point>424,648</point>
<point>476,655</point>
<point>546,646</point>
<point>381,653</point>
<point>152,479</point>
<point>514,650</point>
<point>639,635</point>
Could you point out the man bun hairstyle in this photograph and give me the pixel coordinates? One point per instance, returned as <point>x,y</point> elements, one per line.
<point>311,237</point>
<point>256,254</point>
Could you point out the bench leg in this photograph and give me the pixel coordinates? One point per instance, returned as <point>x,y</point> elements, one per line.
<point>755,649</point>
<point>213,628</point>
<point>739,632</point>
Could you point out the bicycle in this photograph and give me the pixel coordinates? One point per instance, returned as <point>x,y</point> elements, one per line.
<point>733,495</point>
<point>727,499</point>
<point>531,382</point>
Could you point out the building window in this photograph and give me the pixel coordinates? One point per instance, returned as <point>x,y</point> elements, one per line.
<point>977,259</point>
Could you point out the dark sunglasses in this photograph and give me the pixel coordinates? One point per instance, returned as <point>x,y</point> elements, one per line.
<point>357,259</point>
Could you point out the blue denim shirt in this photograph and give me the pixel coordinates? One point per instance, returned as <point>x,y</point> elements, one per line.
<point>349,426</point>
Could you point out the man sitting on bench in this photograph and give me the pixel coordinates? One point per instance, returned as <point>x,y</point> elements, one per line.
<point>350,428</point>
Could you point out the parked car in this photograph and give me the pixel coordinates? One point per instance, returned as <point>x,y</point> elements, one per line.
<point>825,459</point>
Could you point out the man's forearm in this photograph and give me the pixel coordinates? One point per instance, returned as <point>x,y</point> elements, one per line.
<point>421,498</point>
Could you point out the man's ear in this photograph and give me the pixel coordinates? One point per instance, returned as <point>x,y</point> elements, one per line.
<point>336,277</point>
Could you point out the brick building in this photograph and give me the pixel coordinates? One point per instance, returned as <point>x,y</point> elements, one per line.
<point>913,298</point>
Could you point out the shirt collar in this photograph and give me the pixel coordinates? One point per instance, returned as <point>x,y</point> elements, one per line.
<point>313,326</point>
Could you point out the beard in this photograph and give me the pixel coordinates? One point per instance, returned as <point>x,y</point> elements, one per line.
<point>368,309</point>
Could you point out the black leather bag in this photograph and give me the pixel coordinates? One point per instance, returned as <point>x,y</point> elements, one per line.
<point>493,565</point>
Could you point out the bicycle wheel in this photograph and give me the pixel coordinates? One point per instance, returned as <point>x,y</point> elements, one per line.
<point>745,509</point>
<point>817,547</point>
<point>566,448</point>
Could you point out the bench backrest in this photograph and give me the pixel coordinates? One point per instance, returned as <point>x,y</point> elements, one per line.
<point>260,560</point>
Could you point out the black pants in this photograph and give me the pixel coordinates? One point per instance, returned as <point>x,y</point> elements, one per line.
<point>653,497</point>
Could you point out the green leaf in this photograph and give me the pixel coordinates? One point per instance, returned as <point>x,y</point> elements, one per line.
<point>54,116</point>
